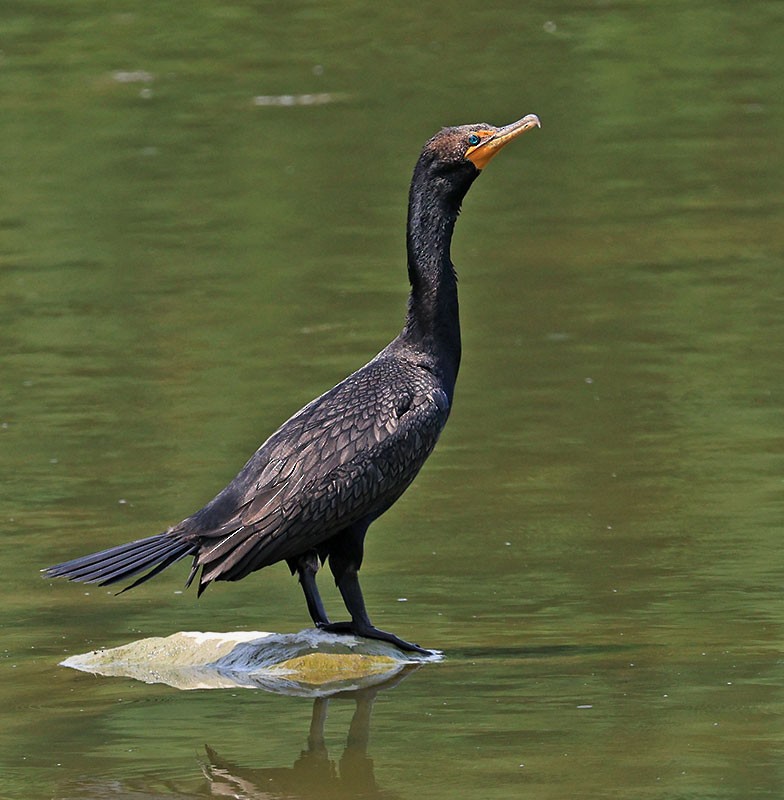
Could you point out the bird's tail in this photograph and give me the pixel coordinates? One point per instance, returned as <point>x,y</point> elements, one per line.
<point>154,553</point>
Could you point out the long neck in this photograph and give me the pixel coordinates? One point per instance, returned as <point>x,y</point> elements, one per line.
<point>433,320</point>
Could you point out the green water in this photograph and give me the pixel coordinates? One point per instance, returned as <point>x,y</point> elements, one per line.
<point>596,543</point>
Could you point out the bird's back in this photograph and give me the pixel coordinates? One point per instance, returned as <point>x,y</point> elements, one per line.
<point>346,456</point>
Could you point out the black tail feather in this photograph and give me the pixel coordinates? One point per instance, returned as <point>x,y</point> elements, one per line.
<point>154,553</point>
<point>115,564</point>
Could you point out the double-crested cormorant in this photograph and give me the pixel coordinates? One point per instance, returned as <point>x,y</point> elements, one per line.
<point>310,492</point>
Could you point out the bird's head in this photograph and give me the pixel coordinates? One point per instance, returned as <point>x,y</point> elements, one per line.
<point>453,158</point>
<point>475,144</point>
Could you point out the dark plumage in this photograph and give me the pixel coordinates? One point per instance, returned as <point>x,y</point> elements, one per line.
<point>309,493</point>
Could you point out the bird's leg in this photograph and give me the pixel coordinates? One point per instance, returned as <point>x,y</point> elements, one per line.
<point>307,566</point>
<point>361,625</point>
<point>345,571</point>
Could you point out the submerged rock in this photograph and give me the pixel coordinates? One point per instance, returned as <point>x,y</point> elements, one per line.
<point>310,663</point>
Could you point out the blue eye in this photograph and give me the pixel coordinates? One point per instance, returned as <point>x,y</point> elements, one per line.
<point>473,140</point>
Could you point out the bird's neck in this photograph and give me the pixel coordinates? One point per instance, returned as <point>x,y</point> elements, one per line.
<point>433,320</point>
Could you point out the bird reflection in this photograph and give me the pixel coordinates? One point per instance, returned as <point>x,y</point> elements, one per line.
<point>313,773</point>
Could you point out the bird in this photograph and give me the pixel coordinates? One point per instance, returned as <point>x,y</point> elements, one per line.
<point>309,493</point>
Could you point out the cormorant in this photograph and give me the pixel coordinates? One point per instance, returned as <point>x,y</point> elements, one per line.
<point>309,493</point>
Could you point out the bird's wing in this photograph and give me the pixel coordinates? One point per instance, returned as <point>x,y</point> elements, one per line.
<point>346,456</point>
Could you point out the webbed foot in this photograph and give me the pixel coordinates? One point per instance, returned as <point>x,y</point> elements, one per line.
<point>371,632</point>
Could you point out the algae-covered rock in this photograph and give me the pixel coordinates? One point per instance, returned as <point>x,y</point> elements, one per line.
<point>310,663</point>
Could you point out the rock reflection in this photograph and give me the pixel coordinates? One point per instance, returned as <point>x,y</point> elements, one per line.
<point>312,774</point>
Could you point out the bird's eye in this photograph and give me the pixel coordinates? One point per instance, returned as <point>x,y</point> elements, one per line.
<point>473,140</point>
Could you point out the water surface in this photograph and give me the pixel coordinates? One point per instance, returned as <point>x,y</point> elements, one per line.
<point>595,544</point>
